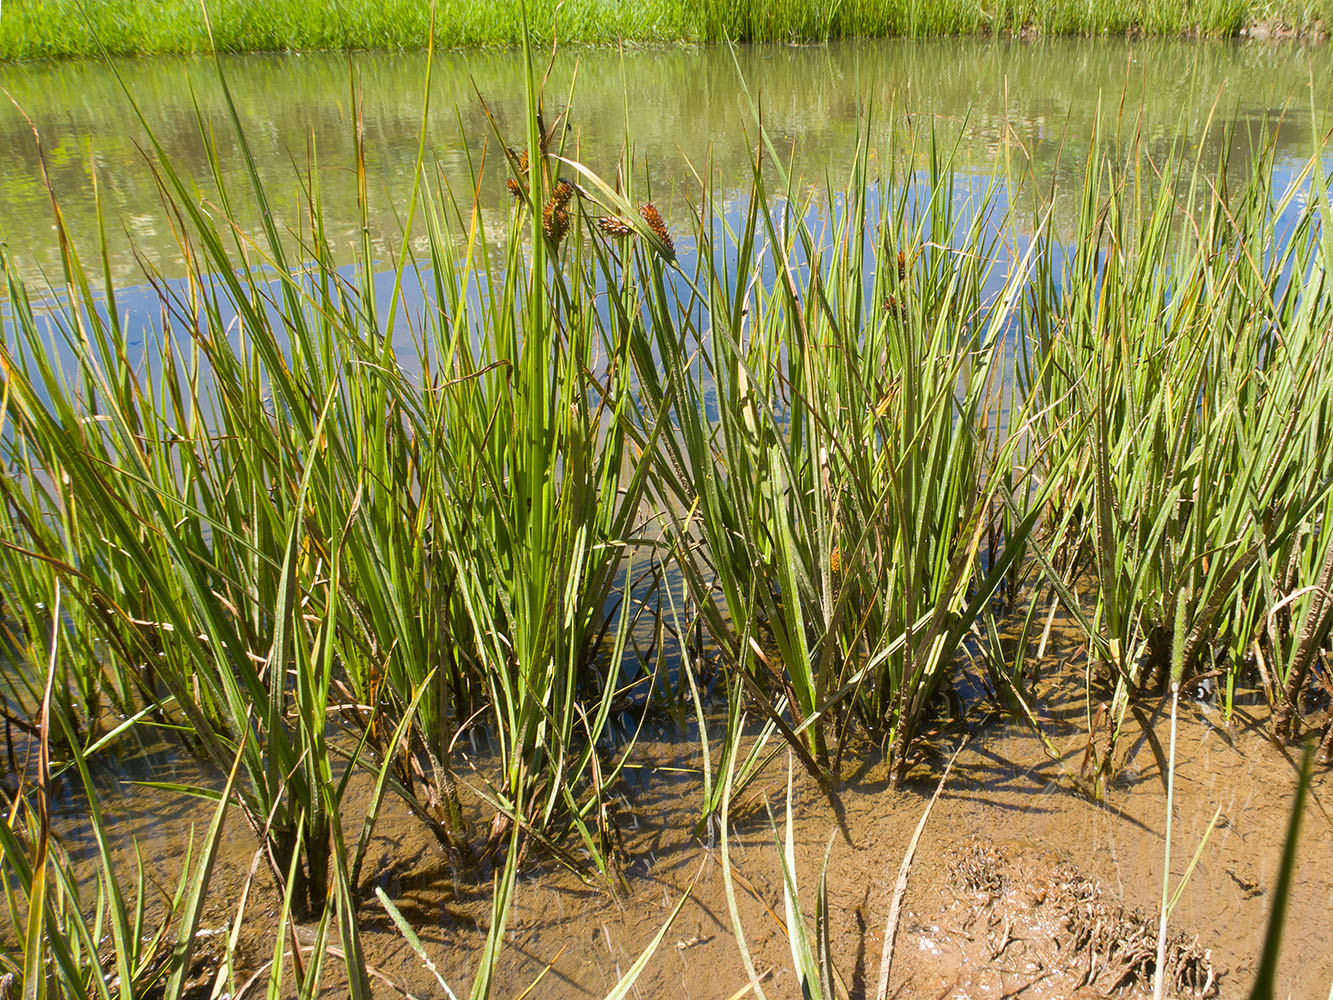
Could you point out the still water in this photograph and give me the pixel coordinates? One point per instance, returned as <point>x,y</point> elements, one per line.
<point>681,114</point>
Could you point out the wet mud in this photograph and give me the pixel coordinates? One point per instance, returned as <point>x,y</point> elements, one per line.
<point>1020,886</point>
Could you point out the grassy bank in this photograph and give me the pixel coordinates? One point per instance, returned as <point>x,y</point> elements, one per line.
<point>830,458</point>
<point>31,29</point>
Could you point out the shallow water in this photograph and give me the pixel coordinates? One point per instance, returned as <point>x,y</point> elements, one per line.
<point>1030,108</point>
<point>1232,805</point>
<point>1004,794</point>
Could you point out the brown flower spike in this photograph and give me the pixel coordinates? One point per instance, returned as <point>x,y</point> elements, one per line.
<point>562,193</point>
<point>521,161</point>
<point>612,225</point>
<point>555,221</point>
<point>897,310</point>
<point>654,219</point>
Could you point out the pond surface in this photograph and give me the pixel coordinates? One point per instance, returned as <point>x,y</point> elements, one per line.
<point>1028,108</point>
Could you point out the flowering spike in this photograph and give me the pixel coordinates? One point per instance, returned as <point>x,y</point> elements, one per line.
<point>654,219</point>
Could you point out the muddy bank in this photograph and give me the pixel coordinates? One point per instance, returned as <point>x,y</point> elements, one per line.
<point>1020,885</point>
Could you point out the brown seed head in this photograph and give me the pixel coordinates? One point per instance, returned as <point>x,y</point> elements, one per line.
<point>902,266</point>
<point>835,562</point>
<point>654,219</point>
<point>518,158</point>
<point>555,221</point>
<point>613,225</point>
<point>563,192</point>
<point>519,162</point>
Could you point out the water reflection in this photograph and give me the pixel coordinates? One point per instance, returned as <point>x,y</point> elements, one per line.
<point>1030,108</point>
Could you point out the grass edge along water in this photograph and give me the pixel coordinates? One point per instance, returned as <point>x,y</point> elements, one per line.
<point>43,29</point>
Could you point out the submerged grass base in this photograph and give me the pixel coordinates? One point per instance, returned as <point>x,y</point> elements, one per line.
<point>33,29</point>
